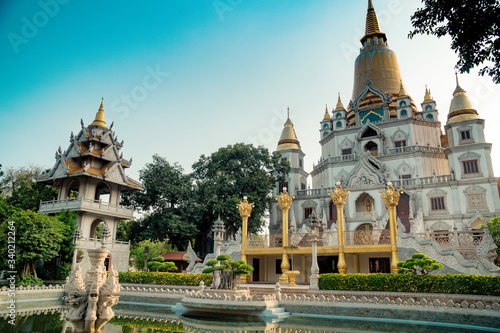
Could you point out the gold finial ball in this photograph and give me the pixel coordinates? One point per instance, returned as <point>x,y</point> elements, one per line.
<point>389,183</point>
<point>284,188</point>
<point>245,197</point>
<point>338,184</point>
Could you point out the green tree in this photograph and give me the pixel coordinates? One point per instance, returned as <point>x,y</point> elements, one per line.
<point>156,248</point>
<point>27,196</point>
<point>225,177</point>
<point>38,237</point>
<point>474,29</point>
<point>160,265</point>
<point>13,178</point>
<point>419,263</point>
<point>165,203</point>
<point>228,270</point>
<point>494,228</point>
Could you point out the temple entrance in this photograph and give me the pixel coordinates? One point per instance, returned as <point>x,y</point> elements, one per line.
<point>256,269</point>
<point>328,264</point>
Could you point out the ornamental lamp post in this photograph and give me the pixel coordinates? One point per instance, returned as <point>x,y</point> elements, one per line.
<point>146,252</point>
<point>105,234</point>
<point>245,209</point>
<point>285,202</point>
<point>77,235</point>
<point>391,199</point>
<point>314,223</point>
<point>339,197</point>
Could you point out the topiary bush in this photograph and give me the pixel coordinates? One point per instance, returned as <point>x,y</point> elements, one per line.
<point>27,279</point>
<point>419,263</point>
<point>433,283</point>
<point>228,270</point>
<point>173,279</point>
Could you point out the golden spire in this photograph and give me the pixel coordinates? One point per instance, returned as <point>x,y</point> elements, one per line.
<point>371,20</point>
<point>327,115</point>
<point>288,138</point>
<point>402,91</point>
<point>427,96</point>
<point>460,106</point>
<point>339,106</point>
<point>99,117</point>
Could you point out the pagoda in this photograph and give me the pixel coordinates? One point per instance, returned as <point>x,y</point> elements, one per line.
<point>90,176</point>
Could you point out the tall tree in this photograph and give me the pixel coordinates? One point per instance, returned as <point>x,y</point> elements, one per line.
<point>225,177</point>
<point>38,236</point>
<point>474,28</point>
<point>164,203</point>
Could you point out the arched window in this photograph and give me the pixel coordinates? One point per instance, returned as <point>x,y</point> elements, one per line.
<point>404,113</point>
<point>338,115</point>
<point>430,117</point>
<point>339,124</point>
<point>72,190</point>
<point>402,103</point>
<point>325,126</point>
<point>428,108</point>
<point>325,134</point>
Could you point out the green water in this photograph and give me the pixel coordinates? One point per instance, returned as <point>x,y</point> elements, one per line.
<point>194,323</point>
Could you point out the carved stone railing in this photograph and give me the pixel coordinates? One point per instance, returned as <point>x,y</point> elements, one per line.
<point>265,241</point>
<point>76,204</point>
<point>458,240</point>
<point>95,243</point>
<point>367,237</point>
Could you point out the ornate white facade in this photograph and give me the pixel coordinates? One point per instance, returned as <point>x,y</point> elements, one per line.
<point>382,136</point>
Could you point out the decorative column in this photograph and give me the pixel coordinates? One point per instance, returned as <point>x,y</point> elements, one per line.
<point>219,230</point>
<point>285,202</point>
<point>245,210</point>
<point>391,199</point>
<point>77,235</point>
<point>339,197</point>
<point>314,224</point>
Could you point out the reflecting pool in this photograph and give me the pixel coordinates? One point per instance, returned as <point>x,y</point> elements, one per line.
<point>139,321</point>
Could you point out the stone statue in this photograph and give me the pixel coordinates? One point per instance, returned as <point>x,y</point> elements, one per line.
<point>91,301</point>
<point>191,258</point>
<point>486,251</point>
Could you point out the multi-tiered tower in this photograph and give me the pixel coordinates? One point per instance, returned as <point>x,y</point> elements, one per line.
<point>90,176</point>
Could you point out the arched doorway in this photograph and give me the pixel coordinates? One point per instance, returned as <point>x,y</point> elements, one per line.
<point>96,228</point>
<point>403,211</point>
<point>72,191</point>
<point>372,148</point>
<point>364,234</point>
<point>102,193</point>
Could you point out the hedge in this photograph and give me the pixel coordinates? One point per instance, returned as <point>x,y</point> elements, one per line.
<point>434,283</point>
<point>174,279</point>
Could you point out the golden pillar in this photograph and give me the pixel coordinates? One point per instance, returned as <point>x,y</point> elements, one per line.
<point>245,210</point>
<point>339,197</point>
<point>391,199</point>
<point>285,202</point>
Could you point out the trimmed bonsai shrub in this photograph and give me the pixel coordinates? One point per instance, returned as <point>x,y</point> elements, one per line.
<point>160,265</point>
<point>228,270</point>
<point>419,263</point>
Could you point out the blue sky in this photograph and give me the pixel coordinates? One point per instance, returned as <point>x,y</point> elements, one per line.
<point>183,78</point>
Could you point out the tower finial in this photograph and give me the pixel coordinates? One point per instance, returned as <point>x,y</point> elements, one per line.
<point>427,96</point>
<point>288,112</point>
<point>371,20</point>
<point>339,105</point>
<point>456,77</point>
<point>99,116</point>
<point>402,91</point>
<point>327,115</point>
